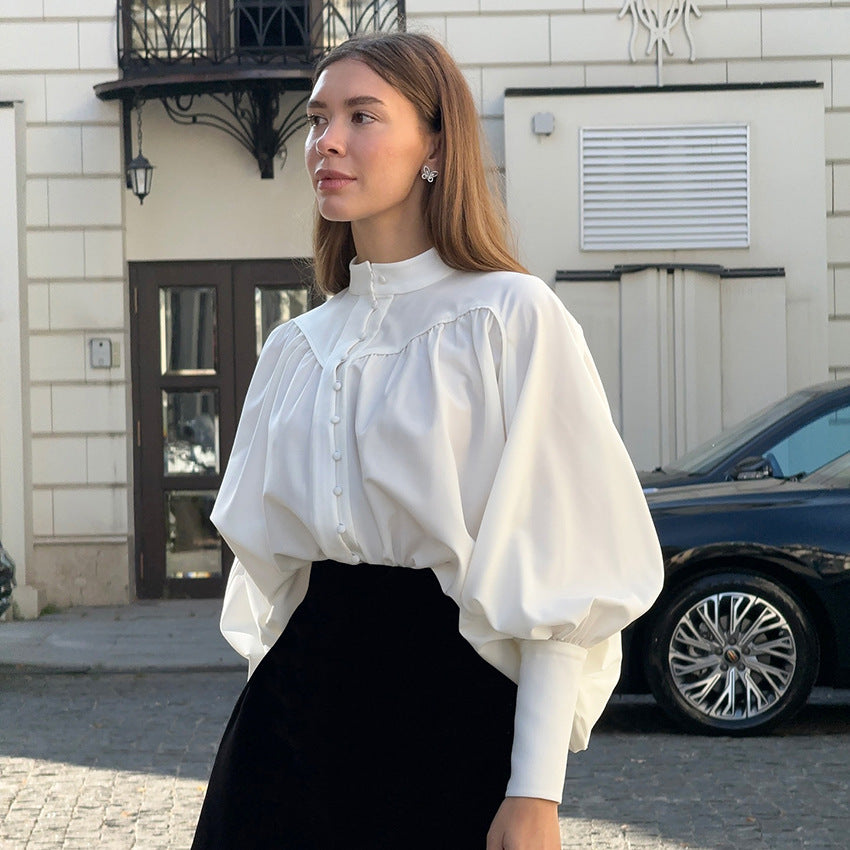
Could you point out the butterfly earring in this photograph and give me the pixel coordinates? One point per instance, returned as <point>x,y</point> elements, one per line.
<point>428,174</point>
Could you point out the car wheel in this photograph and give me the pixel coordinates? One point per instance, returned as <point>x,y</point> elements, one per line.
<point>731,654</point>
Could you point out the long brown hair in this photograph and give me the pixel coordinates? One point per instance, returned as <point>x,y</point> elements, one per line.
<point>465,218</point>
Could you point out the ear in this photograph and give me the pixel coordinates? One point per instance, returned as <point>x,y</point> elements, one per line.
<point>435,151</point>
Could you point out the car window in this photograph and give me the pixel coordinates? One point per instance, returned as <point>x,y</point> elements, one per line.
<point>707,455</point>
<point>834,474</point>
<point>813,445</point>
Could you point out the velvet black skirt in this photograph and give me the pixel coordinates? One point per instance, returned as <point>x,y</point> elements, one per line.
<point>370,725</point>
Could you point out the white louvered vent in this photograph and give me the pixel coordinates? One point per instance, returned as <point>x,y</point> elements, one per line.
<point>665,187</point>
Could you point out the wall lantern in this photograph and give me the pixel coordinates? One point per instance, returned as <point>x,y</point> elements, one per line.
<point>139,170</point>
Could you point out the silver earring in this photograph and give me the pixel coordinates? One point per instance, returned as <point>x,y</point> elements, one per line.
<point>428,174</point>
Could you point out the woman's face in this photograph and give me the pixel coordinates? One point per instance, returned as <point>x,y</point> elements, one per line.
<point>365,149</point>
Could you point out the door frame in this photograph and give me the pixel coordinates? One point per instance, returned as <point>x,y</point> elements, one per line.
<point>235,282</point>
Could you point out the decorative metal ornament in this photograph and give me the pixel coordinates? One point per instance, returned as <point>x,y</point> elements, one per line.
<point>429,174</point>
<point>660,17</point>
<point>139,170</point>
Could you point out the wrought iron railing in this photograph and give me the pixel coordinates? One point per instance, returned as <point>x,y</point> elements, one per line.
<point>255,32</point>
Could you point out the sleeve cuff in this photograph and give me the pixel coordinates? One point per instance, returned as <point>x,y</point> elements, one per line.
<point>549,682</point>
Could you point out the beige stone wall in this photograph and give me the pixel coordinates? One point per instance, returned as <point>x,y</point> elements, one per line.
<point>527,43</point>
<point>51,54</point>
<point>77,573</point>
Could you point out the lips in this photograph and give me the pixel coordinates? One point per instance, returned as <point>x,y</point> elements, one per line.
<point>328,181</point>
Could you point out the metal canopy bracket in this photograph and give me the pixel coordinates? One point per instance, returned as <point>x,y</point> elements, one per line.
<point>243,55</point>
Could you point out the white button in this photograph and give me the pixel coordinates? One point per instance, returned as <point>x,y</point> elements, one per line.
<point>337,455</point>
<point>343,358</point>
<point>340,529</point>
<point>337,490</point>
<point>355,559</point>
<point>381,279</point>
<point>337,386</point>
<point>335,419</point>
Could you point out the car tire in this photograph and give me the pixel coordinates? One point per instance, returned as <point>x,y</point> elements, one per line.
<point>731,654</point>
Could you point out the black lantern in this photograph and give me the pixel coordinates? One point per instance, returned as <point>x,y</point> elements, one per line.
<point>140,171</point>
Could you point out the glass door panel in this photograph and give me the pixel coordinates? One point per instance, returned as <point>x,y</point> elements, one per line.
<point>193,544</point>
<point>273,307</point>
<point>190,423</point>
<point>188,330</point>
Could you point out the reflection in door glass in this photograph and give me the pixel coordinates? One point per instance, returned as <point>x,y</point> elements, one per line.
<point>193,545</point>
<point>188,333</point>
<point>190,426</point>
<point>272,307</point>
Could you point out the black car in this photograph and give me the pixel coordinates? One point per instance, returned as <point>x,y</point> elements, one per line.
<point>7,579</point>
<point>754,610</point>
<point>797,434</point>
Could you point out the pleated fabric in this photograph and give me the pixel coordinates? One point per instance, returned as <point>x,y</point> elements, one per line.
<point>371,724</point>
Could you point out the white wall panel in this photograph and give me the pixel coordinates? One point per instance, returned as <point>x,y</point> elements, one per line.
<point>841,82</point>
<point>79,9</point>
<point>59,460</point>
<point>842,291</point>
<point>57,357</point>
<point>104,253</point>
<point>86,305</point>
<point>102,150</point>
<point>52,254</point>
<point>37,203</point>
<point>839,343</point>
<point>99,409</point>
<point>38,47</point>
<point>498,39</point>
<point>841,188</point>
<point>106,460</point>
<point>98,48</point>
<point>22,8</point>
<point>26,87</point>
<point>54,150</point>
<point>433,25</point>
<point>42,512</point>
<point>38,298</point>
<point>85,201</point>
<point>838,238</point>
<point>809,31</point>
<point>838,135</point>
<point>71,97</point>
<point>432,7</point>
<point>755,347</point>
<point>497,79</point>
<point>41,414</point>
<point>90,511</point>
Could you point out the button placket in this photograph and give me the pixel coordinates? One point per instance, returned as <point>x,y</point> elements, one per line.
<point>336,419</point>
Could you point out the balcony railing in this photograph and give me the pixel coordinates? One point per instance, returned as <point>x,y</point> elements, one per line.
<point>275,33</point>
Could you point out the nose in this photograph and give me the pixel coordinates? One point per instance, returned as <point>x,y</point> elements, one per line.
<point>330,140</point>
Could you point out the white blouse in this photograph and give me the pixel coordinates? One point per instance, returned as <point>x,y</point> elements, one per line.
<point>427,417</point>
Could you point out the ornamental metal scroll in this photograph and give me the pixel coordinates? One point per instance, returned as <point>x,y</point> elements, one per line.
<point>660,17</point>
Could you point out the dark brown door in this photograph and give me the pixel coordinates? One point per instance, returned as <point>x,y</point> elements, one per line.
<point>196,332</point>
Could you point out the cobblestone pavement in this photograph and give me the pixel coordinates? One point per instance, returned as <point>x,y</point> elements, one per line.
<point>113,762</point>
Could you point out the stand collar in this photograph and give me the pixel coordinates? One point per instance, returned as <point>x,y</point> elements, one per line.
<point>379,279</point>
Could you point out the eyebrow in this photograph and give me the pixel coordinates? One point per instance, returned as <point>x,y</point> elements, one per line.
<point>360,100</point>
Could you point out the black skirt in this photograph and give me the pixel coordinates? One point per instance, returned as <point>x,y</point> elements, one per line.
<point>370,725</point>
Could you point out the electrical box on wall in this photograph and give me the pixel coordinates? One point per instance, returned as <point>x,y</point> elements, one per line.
<point>100,353</point>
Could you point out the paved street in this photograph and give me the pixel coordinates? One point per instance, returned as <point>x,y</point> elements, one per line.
<point>119,761</point>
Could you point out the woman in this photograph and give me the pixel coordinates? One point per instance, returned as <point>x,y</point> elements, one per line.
<point>428,503</point>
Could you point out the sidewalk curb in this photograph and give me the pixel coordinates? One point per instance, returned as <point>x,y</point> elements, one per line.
<point>26,669</point>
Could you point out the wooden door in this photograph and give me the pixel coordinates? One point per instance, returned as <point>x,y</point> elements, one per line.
<point>196,333</point>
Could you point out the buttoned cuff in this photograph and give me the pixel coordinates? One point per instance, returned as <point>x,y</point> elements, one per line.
<point>549,681</point>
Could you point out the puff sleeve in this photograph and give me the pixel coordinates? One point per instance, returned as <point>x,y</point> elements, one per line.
<point>566,555</point>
